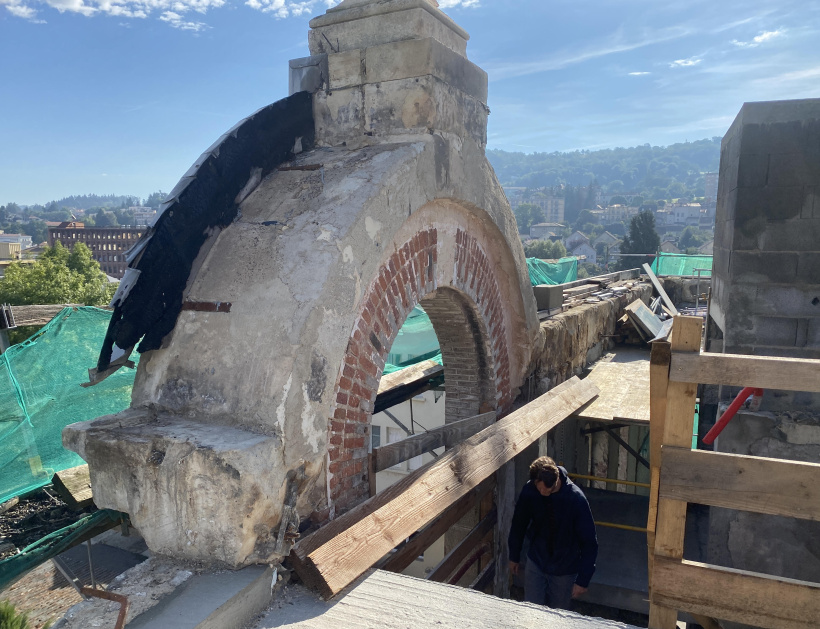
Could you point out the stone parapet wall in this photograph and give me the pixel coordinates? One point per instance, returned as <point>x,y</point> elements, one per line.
<point>575,338</point>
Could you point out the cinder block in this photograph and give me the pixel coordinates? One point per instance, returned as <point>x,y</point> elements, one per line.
<point>720,262</point>
<point>794,169</point>
<point>752,170</point>
<point>755,266</point>
<point>776,330</point>
<point>548,297</point>
<point>808,267</point>
<point>769,203</point>
<point>776,137</point>
<point>813,331</point>
<point>800,235</point>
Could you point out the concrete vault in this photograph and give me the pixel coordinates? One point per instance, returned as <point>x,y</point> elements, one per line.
<point>252,411</point>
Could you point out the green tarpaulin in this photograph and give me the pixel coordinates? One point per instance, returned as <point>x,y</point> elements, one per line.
<point>557,272</point>
<point>682,265</point>
<point>40,394</point>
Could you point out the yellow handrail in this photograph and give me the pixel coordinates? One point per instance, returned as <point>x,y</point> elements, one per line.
<point>626,527</point>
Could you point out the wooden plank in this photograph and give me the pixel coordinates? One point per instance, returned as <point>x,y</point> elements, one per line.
<point>624,392</point>
<point>338,553</point>
<point>677,430</point>
<point>659,287</point>
<point>787,374</point>
<point>405,384</point>
<point>644,319</point>
<point>38,314</point>
<point>736,595</point>
<point>748,483</point>
<point>484,578</point>
<point>446,436</point>
<point>421,541</point>
<point>74,486</point>
<point>453,559</point>
<point>410,375</point>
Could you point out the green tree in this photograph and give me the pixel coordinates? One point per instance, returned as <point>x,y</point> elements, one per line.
<point>155,199</point>
<point>642,238</point>
<point>527,215</point>
<point>104,219</point>
<point>618,200</point>
<point>545,249</point>
<point>59,276</point>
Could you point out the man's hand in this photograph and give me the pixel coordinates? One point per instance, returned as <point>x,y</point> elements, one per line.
<point>577,590</point>
<point>514,568</point>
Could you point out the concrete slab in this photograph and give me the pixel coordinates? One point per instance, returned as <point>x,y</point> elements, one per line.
<point>221,600</point>
<point>384,600</point>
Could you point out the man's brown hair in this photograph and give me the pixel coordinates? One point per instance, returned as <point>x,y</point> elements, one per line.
<point>545,470</point>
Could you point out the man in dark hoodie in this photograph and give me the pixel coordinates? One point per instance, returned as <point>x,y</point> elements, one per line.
<point>555,514</point>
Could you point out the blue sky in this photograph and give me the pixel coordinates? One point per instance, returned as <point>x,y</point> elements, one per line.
<point>120,96</point>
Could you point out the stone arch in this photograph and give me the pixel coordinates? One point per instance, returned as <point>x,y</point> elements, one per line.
<point>454,269</point>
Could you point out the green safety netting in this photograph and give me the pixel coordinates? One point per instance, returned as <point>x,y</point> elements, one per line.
<point>415,342</point>
<point>558,272</point>
<point>681,264</point>
<point>40,394</point>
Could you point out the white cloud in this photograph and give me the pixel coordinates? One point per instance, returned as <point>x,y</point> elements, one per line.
<point>639,73</point>
<point>172,12</point>
<point>175,20</point>
<point>685,63</point>
<point>17,9</point>
<point>448,4</point>
<point>760,39</point>
<point>617,43</point>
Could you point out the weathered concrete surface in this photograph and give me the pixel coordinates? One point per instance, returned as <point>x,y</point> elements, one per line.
<point>164,594</point>
<point>766,301</point>
<point>144,585</point>
<point>327,257</point>
<point>220,481</point>
<point>767,230</point>
<point>578,337</point>
<point>764,543</point>
<point>384,600</point>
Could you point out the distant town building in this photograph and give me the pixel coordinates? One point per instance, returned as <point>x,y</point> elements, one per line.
<point>10,251</point>
<point>711,185</point>
<point>606,238</point>
<point>574,240</point>
<point>552,206</point>
<point>667,246</point>
<point>618,213</point>
<point>108,244</point>
<point>584,250</point>
<point>143,215</point>
<point>546,231</point>
<point>24,240</point>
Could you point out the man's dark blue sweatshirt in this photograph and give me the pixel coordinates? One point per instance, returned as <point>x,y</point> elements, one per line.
<point>562,531</point>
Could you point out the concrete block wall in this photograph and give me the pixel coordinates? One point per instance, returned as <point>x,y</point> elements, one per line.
<point>766,286</point>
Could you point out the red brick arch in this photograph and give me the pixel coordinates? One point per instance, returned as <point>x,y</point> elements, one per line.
<point>468,320</point>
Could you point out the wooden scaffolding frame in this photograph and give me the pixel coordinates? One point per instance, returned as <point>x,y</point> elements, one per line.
<point>680,475</point>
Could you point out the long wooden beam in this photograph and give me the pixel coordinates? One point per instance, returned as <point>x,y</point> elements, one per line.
<point>453,559</point>
<point>659,287</point>
<point>748,483</point>
<point>335,555</point>
<point>416,545</point>
<point>38,314</point>
<point>787,374</point>
<point>404,384</point>
<point>445,436</point>
<point>736,595</point>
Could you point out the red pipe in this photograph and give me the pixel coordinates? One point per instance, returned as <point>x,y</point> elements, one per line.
<point>734,407</point>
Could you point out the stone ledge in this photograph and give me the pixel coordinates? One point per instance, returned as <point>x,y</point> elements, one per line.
<point>202,492</point>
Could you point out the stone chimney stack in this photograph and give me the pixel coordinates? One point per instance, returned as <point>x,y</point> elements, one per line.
<point>387,68</point>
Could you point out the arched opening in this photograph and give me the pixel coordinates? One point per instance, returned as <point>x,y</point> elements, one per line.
<point>445,328</point>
